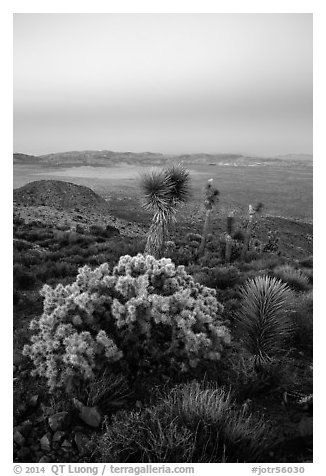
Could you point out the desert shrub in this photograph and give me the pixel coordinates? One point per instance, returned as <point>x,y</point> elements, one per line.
<point>239,371</point>
<point>196,237</point>
<point>302,317</point>
<point>239,235</point>
<point>219,277</point>
<point>183,255</point>
<point>272,244</point>
<point>35,235</point>
<point>210,260</point>
<point>252,255</point>
<point>21,245</point>
<point>192,423</point>
<point>17,220</point>
<point>80,229</point>
<point>16,297</point>
<point>235,250</point>
<point>63,227</point>
<point>292,276</point>
<point>97,230</point>
<point>108,391</point>
<point>111,231</point>
<point>75,237</point>
<point>61,236</point>
<point>307,262</point>
<point>309,273</point>
<point>266,263</point>
<point>98,259</point>
<point>145,313</point>
<point>77,259</point>
<point>264,317</point>
<point>23,278</point>
<point>54,269</point>
<point>27,258</point>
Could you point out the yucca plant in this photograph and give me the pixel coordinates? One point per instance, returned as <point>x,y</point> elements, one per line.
<point>252,211</point>
<point>264,317</point>
<point>163,191</point>
<point>228,236</point>
<point>211,199</point>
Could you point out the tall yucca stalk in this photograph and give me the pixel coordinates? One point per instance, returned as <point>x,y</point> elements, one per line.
<point>228,237</point>
<point>163,191</point>
<point>264,317</point>
<point>211,199</point>
<point>252,211</point>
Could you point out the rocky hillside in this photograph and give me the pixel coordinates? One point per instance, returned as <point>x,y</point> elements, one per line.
<point>60,195</point>
<point>65,205</point>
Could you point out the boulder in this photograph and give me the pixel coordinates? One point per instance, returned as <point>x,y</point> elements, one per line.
<point>18,438</point>
<point>58,421</point>
<point>45,443</point>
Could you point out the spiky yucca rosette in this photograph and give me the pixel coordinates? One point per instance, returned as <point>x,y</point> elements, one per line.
<point>264,317</point>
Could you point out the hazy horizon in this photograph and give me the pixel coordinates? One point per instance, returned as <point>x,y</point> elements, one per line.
<point>162,153</point>
<point>163,83</point>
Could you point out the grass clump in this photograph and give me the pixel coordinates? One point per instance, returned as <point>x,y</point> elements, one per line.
<point>292,276</point>
<point>302,318</point>
<point>192,423</point>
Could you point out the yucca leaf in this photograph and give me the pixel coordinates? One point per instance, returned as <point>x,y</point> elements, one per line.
<point>157,191</point>
<point>178,178</point>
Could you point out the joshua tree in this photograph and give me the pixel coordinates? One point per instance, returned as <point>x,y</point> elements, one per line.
<point>211,199</point>
<point>164,190</point>
<point>252,212</point>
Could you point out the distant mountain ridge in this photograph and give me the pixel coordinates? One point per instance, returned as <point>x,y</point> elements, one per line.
<point>107,158</point>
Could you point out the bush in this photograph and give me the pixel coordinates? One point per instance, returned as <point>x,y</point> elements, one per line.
<point>307,262</point>
<point>264,317</point>
<point>80,229</point>
<point>16,297</point>
<point>111,231</point>
<point>192,423</point>
<point>293,277</point>
<point>309,273</point>
<point>239,371</point>
<point>145,313</point>
<point>23,279</point>
<point>219,277</point>
<point>98,230</point>
<point>17,220</point>
<point>303,321</point>
<point>62,236</point>
<point>267,263</point>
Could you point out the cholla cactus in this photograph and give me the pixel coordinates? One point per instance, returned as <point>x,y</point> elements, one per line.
<point>211,199</point>
<point>144,311</point>
<point>164,190</point>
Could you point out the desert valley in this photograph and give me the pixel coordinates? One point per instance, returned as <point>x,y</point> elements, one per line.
<point>201,353</point>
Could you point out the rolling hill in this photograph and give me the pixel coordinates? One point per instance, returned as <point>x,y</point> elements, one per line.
<point>60,195</point>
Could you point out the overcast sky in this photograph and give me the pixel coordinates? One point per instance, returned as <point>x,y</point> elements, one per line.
<point>171,83</point>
